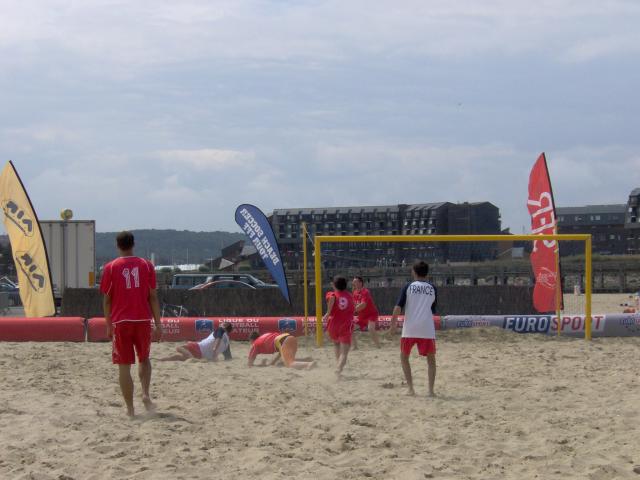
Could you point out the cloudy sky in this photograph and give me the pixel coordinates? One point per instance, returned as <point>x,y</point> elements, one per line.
<point>165,114</point>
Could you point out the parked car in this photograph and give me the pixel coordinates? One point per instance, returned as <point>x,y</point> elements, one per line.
<point>189,280</point>
<point>223,284</point>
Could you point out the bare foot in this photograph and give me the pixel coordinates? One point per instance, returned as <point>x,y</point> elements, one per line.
<point>130,412</point>
<point>431,395</point>
<point>311,365</point>
<point>148,404</point>
<point>411,392</point>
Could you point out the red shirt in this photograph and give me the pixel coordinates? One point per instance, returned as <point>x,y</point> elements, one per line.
<point>341,314</point>
<point>265,344</point>
<point>364,296</point>
<point>127,280</point>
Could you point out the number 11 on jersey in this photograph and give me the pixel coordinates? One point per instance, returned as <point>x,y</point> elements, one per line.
<point>135,273</point>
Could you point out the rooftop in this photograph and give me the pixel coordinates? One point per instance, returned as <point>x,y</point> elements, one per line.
<point>365,209</point>
<point>619,208</point>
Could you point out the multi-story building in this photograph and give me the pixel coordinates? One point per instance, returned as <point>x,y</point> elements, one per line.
<point>632,222</point>
<point>421,219</point>
<point>606,224</point>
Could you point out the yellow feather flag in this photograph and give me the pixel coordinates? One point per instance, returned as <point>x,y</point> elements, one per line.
<point>27,244</point>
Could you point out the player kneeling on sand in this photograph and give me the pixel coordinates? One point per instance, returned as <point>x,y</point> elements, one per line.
<point>284,345</point>
<point>418,300</point>
<point>209,349</point>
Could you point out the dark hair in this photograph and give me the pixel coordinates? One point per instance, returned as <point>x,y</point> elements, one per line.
<point>421,268</point>
<point>358,277</point>
<point>254,335</point>
<point>340,282</point>
<point>124,240</point>
<point>228,327</point>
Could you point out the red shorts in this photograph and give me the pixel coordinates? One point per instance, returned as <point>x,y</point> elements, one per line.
<point>363,323</point>
<point>426,346</point>
<point>194,349</point>
<point>130,336</point>
<point>340,336</point>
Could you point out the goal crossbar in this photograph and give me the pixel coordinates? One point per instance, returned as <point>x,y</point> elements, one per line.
<point>320,239</point>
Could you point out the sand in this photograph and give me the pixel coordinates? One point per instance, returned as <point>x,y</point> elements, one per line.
<point>610,302</point>
<point>509,406</point>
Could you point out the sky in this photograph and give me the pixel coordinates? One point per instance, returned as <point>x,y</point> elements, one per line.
<point>164,114</point>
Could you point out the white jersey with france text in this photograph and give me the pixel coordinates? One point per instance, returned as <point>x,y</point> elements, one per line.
<point>418,300</point>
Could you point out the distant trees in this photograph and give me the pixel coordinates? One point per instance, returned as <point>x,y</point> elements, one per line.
<point>170,247</point>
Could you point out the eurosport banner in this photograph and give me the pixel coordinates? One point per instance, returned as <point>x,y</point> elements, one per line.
<point>571,325</point>
<point>27,244</point>
<point>254,223</point>
<point>543,222</point>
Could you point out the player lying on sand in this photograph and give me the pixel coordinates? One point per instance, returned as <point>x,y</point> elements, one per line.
<point>209,349</point>
<point>284,346</point>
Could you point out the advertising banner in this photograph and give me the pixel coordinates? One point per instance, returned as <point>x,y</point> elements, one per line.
<point>180,329</point>
<point>543,222</point>
<point>255,225</point>
<point>27,245</point>
<point>571,325</point>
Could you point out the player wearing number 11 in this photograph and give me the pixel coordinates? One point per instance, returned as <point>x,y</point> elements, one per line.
<point>130,301</point>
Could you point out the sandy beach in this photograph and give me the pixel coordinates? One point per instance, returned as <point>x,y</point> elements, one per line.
<point>508,406</point>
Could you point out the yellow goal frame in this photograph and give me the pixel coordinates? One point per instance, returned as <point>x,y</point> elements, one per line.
<point>320,239</point>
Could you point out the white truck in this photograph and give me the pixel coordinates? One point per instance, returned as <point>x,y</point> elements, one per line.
<point>71,247</point>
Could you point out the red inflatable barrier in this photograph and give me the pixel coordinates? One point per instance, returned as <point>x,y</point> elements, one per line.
<point>243,326</point>
<point>173,329</point>
<point>184,329</point>
<point>47,329</point>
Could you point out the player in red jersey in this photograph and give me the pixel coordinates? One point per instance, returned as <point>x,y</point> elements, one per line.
<point>130,301</point>
<point>365,310</point>
<point>339,318</point>
<point>284,345</point>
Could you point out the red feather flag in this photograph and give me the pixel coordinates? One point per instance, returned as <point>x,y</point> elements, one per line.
<point>546,268</point>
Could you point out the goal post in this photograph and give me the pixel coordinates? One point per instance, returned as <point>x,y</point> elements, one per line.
<point>320,240</point>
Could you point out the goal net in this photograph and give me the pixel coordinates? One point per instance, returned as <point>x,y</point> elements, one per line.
<point>476,275</point>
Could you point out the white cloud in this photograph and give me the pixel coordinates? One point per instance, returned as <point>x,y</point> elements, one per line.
<point>122,192</point>
<point>379,173</point>
<point>118,38</point>
<point>172,191</point>
<point>594,175</point>
<point>42,134</point>
<point>158,113</point>
<point>604,46</point>
<point>207,159</point>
